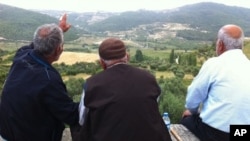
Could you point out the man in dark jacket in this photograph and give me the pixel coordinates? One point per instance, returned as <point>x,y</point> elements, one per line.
<point>34,103</point>
<point>120,103</point>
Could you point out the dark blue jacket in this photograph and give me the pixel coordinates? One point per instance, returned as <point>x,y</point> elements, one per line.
<point>34,104</point>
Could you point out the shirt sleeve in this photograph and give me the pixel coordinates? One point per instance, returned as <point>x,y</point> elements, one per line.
<point>82,110</point>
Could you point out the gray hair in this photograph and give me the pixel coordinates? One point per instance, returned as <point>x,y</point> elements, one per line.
<point>230,42</point>
<point>47,37</point>
<point>111,62</point>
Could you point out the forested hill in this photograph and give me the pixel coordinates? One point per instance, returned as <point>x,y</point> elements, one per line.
<point>207,16</point>
<point>203,21</point>
<point>20,24</point>
<point>211,16</point>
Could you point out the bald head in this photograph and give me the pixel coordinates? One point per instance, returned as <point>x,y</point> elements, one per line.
<point>229,37</point>
<point>233,31</point>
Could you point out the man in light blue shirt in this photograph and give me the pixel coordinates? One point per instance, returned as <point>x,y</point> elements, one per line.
<point>219,95</point>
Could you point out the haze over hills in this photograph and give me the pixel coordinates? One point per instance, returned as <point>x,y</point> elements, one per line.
<point>192,22</point>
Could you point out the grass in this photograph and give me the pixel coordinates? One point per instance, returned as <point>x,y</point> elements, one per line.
<point>159,74</point>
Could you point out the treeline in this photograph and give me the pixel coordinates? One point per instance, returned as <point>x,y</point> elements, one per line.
<point>79,67</point>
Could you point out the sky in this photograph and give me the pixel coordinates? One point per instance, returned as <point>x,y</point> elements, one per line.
<point>112,5</point>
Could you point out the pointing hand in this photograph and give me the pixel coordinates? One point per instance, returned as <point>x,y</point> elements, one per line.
<point>63,23</point>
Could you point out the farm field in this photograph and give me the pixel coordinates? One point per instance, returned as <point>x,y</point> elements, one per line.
<point>70,58</point>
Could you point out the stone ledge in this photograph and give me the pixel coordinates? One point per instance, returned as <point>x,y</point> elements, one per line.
<point>66,135</point>
<point>181,133</point>
<point>178,133</point>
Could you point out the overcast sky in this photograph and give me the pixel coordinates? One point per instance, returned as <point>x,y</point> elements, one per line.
<point>112,5</point>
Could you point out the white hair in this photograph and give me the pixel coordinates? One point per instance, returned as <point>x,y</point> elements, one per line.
<point>47,37</point>
<point>229,42</point>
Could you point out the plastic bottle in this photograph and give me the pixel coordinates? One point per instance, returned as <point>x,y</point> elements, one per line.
<point>166,119</point>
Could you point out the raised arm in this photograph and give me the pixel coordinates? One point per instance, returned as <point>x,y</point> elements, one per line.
<point>63,23</point>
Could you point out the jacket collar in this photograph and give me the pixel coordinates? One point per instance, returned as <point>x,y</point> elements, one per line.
<point>39,59</point>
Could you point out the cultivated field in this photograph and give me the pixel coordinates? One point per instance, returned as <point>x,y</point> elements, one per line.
<point>70,58</point>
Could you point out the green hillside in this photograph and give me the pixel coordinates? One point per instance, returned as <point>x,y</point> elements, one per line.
<point>20,24</point>
<point>204,18</point>
<point>209,17</point>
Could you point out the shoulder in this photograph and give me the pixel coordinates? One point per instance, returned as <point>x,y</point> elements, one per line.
<point>96,76</point>
<point>24,49</point>
<point>211,62</point>
<point>209,66</point>
<point>140,69</point>
<point>141,72</point>
<point>49,75</point>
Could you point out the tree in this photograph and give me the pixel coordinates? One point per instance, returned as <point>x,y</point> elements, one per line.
<point>171,57</point>
<point>139,55</point>
<point>192,61</point>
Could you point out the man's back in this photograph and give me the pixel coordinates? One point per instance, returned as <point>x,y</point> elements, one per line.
<point>122,106</point>
<point>229,91</point>
<point>30,99</point>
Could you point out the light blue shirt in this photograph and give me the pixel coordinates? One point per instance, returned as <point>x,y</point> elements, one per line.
<point>222,86</point>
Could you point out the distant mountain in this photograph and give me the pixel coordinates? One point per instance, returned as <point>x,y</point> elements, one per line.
<point>204,20</point>
<point>20,24</point>
<point>211,16</point>
<point>199,22</point>
<point>81,20</point>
